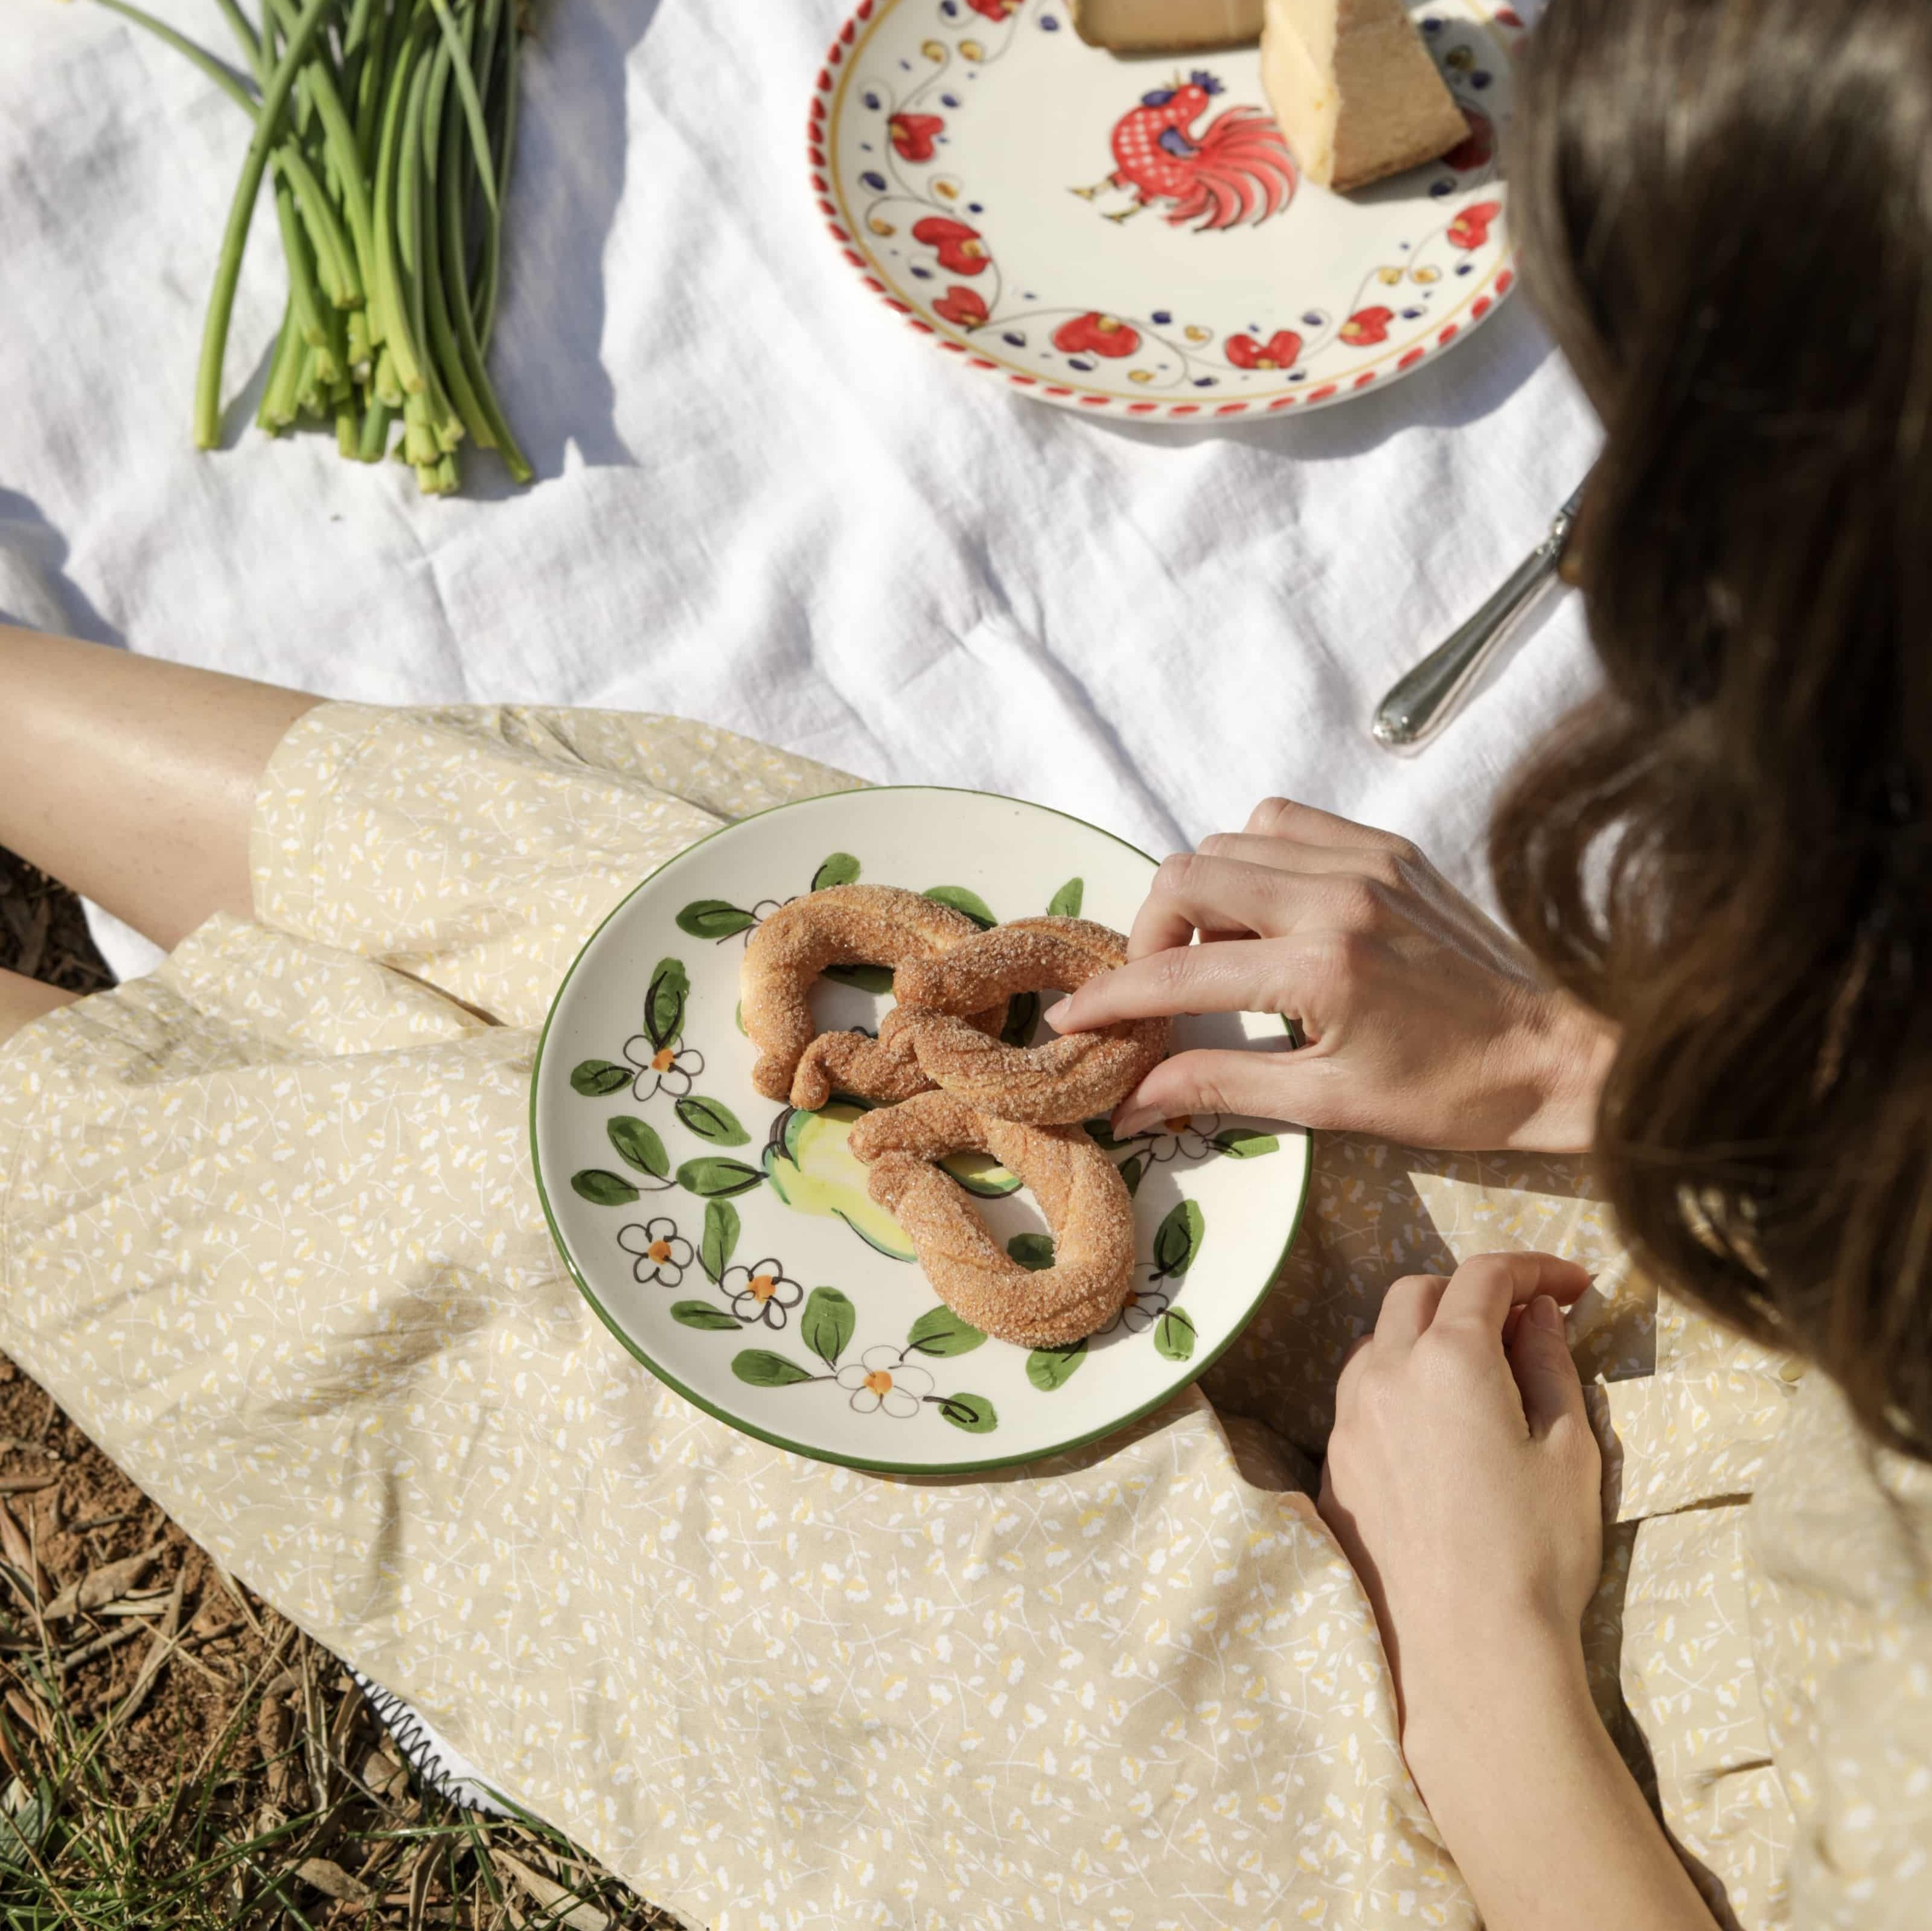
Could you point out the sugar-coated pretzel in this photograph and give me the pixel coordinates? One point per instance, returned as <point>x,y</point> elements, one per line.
<point>1055,1084</point>
<point>1083,1196</point>
<point>843,924</point>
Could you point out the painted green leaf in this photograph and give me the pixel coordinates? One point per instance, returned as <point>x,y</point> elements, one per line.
<point>663,1003</point>
<point>711,1120</point>
<point>876,979</point>
<point>702,1313</point>
<point>1051,1368</point>
<point>603,1189</point>
<point>1066,903</point>
<point>1133,1171</point>
<point>841,868</point>
<point>1101,1131</point>
<point>940,1331</point>
<point>713,918</point>
<point>973,1413</point>
<point>593,1078</point>
<point>1022,1015</point>
<point>1238,1143</point>
<point>738,1017</point>
<point>638,1146</point>
<point>1178,1238</point>
<point>960,900</point>
<point>1032,1250</point>
<point>721,1238</point>
<point>763,1369</point>
<point>716,1179</point>
<point>827,1323</point>
<point>1174,1335</point>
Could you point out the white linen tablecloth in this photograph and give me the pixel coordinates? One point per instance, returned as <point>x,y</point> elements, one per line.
<point>763,501</point>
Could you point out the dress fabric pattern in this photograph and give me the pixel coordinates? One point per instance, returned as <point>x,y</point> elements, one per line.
<point>268,1230</point>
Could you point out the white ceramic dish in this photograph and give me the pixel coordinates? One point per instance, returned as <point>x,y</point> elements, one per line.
<point>1128,236</point>
<point>728,1242</point>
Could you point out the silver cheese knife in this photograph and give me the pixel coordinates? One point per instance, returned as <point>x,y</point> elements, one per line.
<point>1422,702</point>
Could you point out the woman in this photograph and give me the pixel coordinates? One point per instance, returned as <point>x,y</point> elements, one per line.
<point>267,1230</point>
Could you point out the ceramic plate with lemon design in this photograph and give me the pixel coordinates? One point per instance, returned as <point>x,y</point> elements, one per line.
<point>729,1242</point>
<point>1131,236</point>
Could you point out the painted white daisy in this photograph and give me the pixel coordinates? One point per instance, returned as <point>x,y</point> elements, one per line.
<point>763,1291</point>
<point>662,1254</point>
<point>670,1069</point>
<point>882,1379</point>
<point>1142,1308</point>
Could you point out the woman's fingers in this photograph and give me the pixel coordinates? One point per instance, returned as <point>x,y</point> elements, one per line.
<point>1236,975</point>
<point>1546,1375</point>
<point>1264,1086</point>
<point>1283,818</point>
<point>1191,893</point>
<point>1408,1308</point>
<point>1297,855</point>
<point>1202,892</point>
<point>1483,1290</point>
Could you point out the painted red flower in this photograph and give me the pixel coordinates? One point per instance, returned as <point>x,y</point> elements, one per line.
<point>1471,229</point>
<point>1367,326</point>
<point>1479,149</point>
<point>960,250</point>
<point>1097,335</point>
<point>913,135</point>
<point>1509,17</point>
<point>1282,350</point>
<point>1001,11</point>
<point>965,306</point>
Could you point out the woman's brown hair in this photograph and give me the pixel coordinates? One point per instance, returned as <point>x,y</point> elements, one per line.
<point>1725,208</point>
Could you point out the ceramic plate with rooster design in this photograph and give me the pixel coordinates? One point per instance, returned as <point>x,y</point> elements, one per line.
<point>1131,235</point>
<point>729,1242</point>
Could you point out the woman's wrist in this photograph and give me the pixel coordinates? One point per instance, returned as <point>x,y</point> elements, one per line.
<point>1492,1683</point>
<point>1531,1798</point>
<point>1568,1051</point>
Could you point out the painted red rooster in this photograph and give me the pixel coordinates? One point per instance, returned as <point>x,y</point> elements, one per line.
<point>1237,169</point>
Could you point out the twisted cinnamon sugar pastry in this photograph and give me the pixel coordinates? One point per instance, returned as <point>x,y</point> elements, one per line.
<point>1057,1083</point>
<point>843,924</point>
<point>1084,1199</point>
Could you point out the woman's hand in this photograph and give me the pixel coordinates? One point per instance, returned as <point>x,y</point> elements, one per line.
<point>1463,1480</point>
<point>1422,1020</point>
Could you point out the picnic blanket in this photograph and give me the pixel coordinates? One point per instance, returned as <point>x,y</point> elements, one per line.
<point>763,501</point>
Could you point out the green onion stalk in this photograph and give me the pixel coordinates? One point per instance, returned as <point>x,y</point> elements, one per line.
<point>383,129</point>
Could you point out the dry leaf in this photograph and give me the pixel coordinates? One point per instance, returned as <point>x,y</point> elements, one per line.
<point>383,1775</point>
<point>107,1584</point>
<point>331,1880</point>
<point>549,1893</point>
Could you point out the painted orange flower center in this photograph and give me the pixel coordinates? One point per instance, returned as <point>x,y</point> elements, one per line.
<point>661,1059</point>
<point>972,251</point>
<point>879,1381</point>
<point>1179,1123</point>
<point>1109,325</point>
<point>659,1250</point>
<point>1266,362</point>
<point>763,1286</point>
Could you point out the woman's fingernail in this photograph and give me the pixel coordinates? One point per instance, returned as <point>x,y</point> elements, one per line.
<point>1132,1121</point>
<point>1056,1014</point>
<point>1544,1312</point>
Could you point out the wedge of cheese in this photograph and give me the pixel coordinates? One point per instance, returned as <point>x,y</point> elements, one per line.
<point>1354,90</point>
<point>1166,26</point>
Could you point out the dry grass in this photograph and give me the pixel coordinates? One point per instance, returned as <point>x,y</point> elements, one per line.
<point>175,1755</point>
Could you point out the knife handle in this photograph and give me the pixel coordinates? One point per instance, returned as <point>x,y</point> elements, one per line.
<point>1422,702</point>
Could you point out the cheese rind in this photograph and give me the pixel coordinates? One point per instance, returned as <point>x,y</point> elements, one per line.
<point>1356,93</point>
<point>1166,26</point>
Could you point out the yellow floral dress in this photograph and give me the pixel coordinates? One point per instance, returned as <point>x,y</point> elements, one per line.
<point>268,1230</point>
